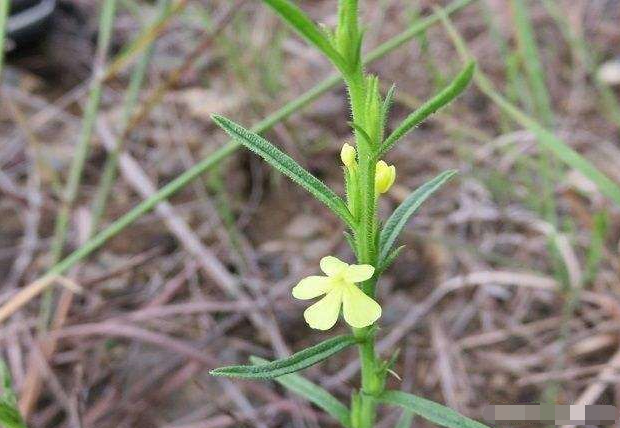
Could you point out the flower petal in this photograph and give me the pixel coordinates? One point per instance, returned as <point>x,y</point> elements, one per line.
<point>332,266</point>
<point>312,286</point>
<point>359,273</point>
<point>324,313</point>
<point>359,309</point>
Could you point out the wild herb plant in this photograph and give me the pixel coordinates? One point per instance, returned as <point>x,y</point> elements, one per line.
<point>351,288</point>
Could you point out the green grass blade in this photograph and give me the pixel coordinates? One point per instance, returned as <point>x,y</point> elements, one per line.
<point>307,29</point>
<point>397,221</point>
<point>296,362</point>
<point>450,92</point>
<point>82,148</point>
<point>144,39</point>
<point>313,393</point>
<point>130,100</point>
<point>594,255</point>
<point>429,410</point>
<point>531,60</point>
<point>287,166</point>
<point>585,55</point>
<point>546,138</point>
<point>530,55</point>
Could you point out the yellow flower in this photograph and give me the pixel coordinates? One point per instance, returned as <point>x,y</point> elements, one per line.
<point>347,155</point>
<point>340,290</point>
<point>384,176</point>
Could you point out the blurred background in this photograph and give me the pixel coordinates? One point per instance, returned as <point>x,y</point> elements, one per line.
<point>507,291</point>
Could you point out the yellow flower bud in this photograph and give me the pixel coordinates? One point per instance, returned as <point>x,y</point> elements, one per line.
<point>384,176</point>
<point>347,155</point>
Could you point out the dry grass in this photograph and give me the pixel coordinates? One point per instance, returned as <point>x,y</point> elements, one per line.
<point>474,304</point>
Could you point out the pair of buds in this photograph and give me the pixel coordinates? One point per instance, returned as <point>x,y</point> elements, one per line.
<point>385,174</point>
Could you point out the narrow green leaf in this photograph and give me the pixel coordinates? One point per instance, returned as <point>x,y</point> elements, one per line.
<point>287,166</point>
<point>434,412</point>
<point>313,393</point>
<point>450,92</point>
<point>390,258</point>
<point>387,107</point>
<point>296,362</point>
<point>528,49</point>
<point>594,255</point>
<point>351,241</point>
<point>409,206</point>
<point>362,132</point>
<point>307,29</point>
<point>389,100</point>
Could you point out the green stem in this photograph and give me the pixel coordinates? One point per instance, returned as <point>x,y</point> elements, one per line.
<point>131,97</point>
<point>372,382</point>
<point>82,148</point>
<point>4,14</point>
<point>365,229</point>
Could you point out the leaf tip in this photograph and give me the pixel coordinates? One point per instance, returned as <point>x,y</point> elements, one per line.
<point>468,72</point>
<point>219,372</point>
<point>217,118</point>
<point>449,173</point>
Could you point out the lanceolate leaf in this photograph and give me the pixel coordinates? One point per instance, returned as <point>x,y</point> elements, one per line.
<point>362,132</point>
<point>443,98</point>
<point>296,362</point>
<point>287,166</point>
<point>387,107</point>
<point>389,259</point>
<point>313,393</point>
<point>409,206</point>
<point>434,412</point>
<point>389,100</point>
<point>304,26</point>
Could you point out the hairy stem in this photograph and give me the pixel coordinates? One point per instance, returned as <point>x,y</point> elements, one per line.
<point>365,229</point>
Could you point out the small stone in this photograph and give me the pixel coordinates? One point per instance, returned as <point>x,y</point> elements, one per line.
<point>609,72</point>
